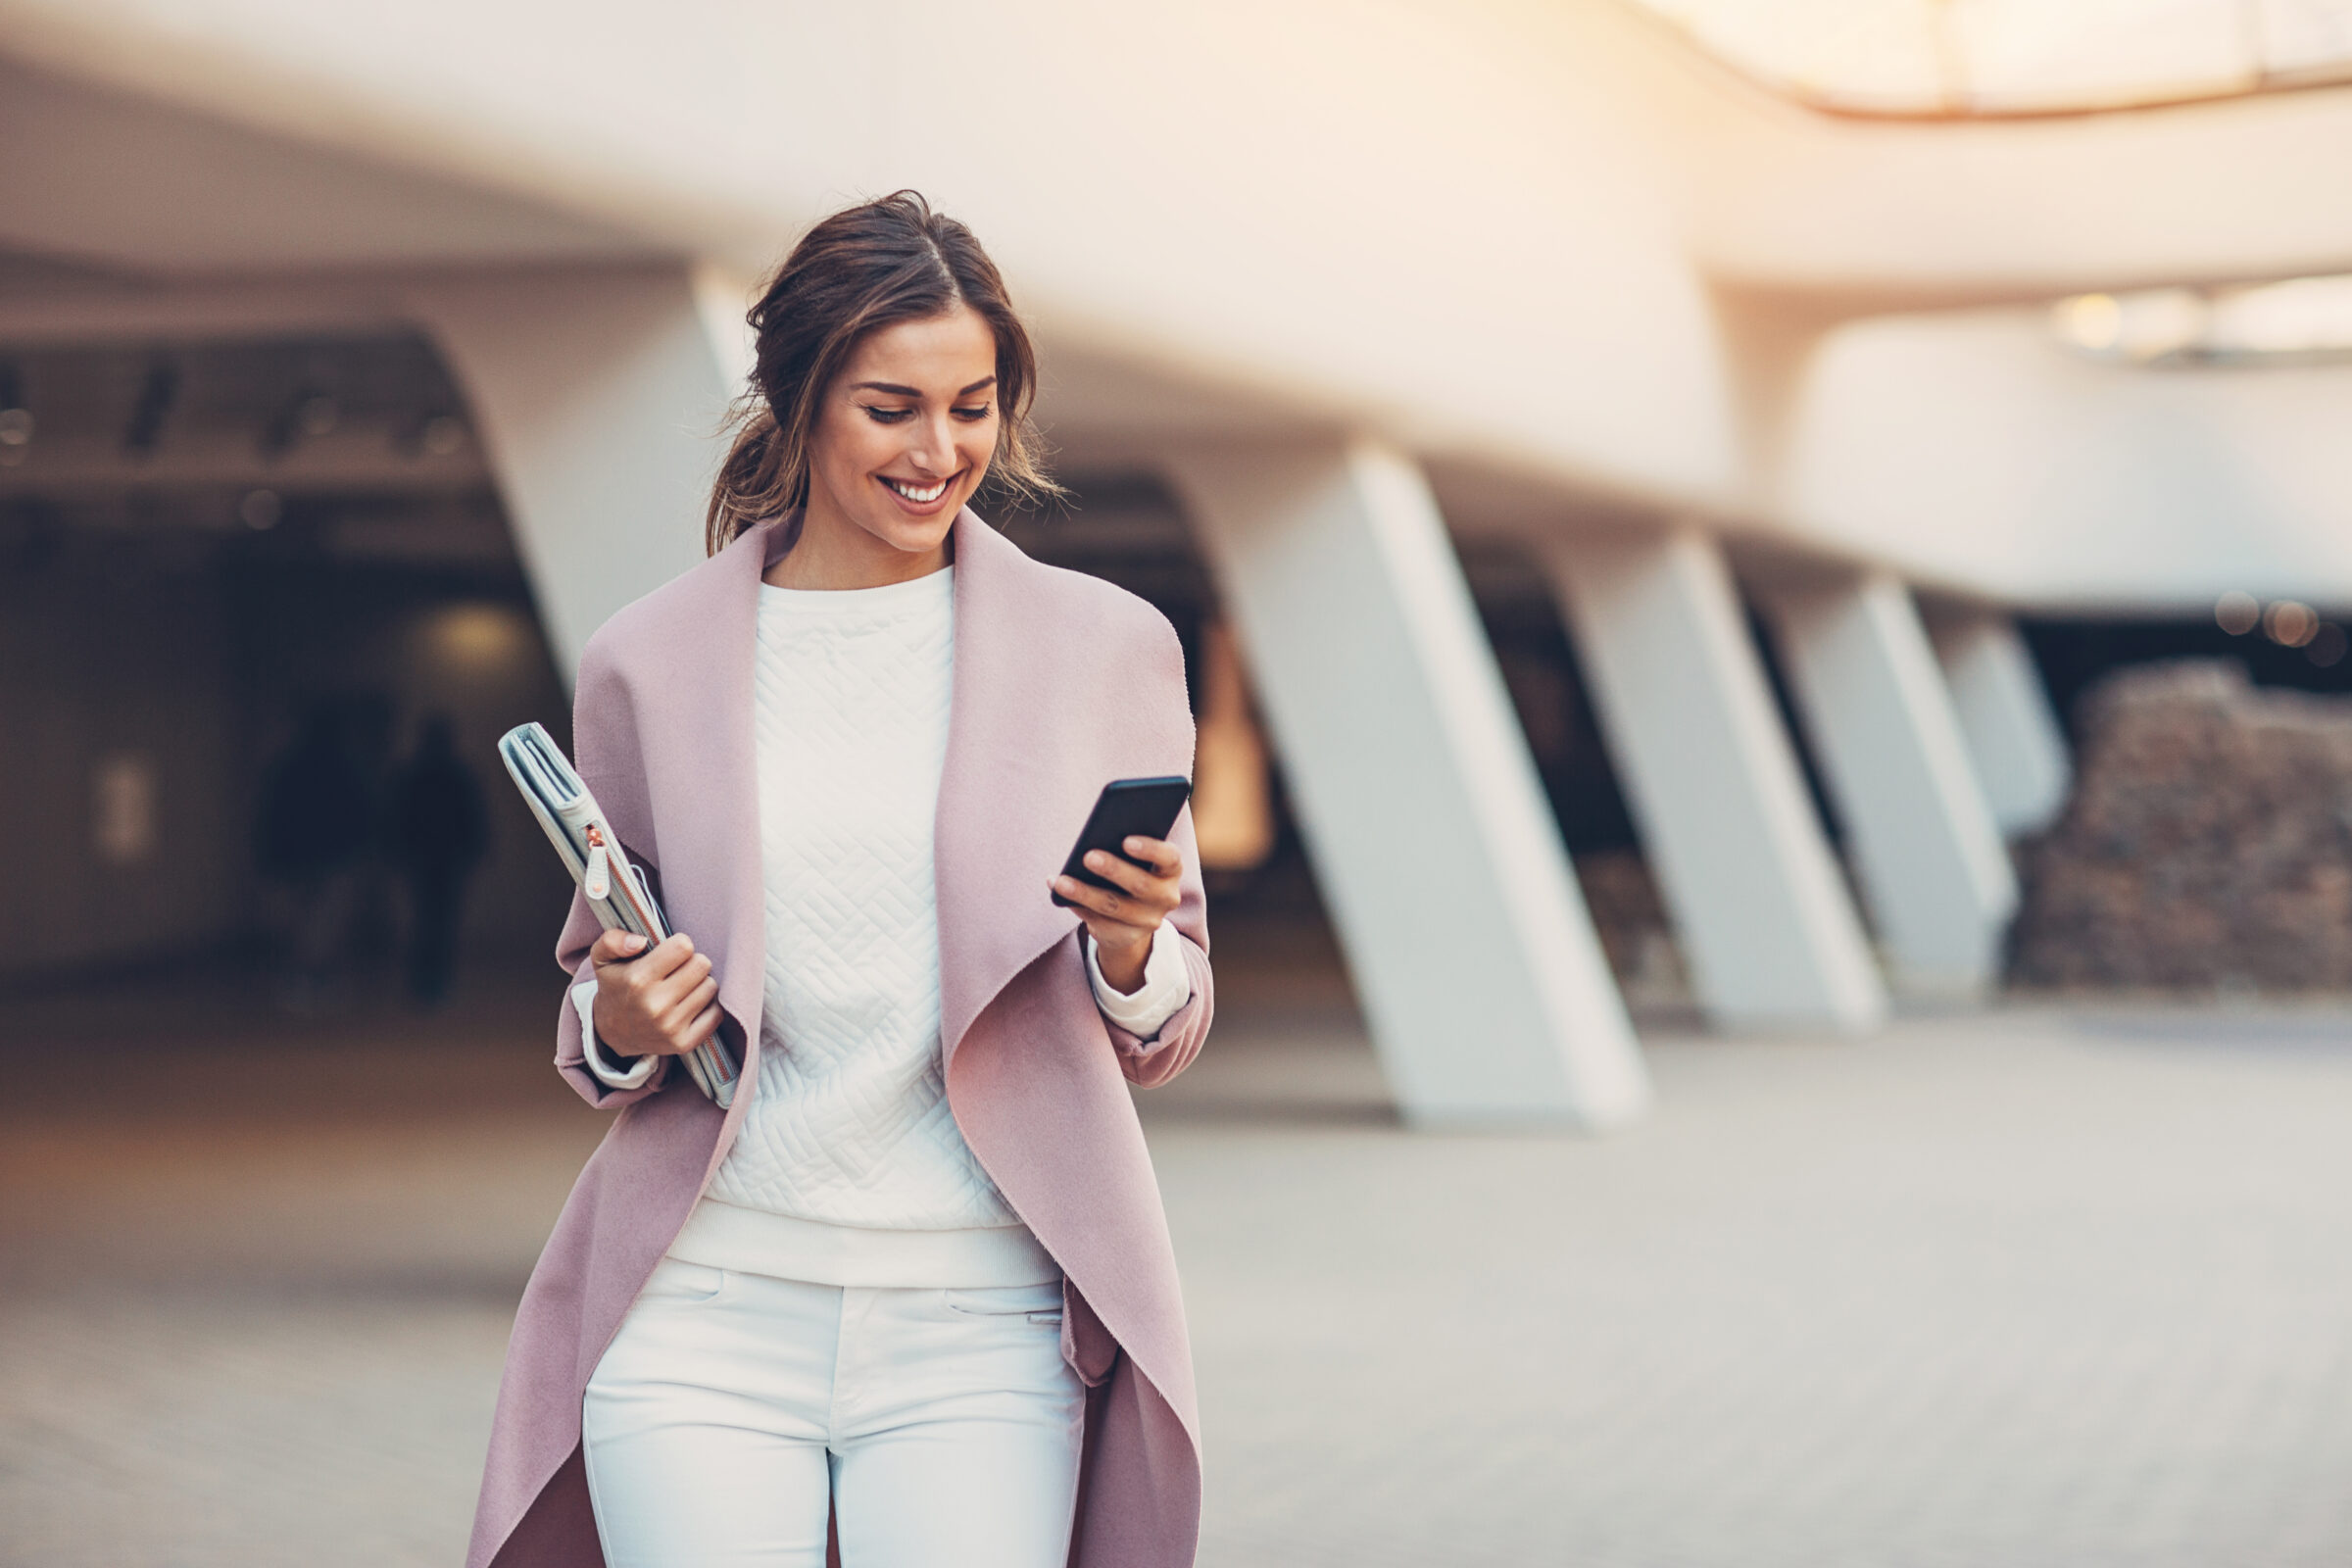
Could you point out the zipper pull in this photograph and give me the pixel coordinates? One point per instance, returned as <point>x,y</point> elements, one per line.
<point>597,881</point>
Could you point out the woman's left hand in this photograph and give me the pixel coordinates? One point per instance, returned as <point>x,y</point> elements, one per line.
<point>1123,919</point>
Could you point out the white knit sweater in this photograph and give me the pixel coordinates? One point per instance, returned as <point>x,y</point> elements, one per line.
<point>849,1168</point>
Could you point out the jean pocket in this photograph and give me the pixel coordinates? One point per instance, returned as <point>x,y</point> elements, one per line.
<point>1040,1304</point>
<point>675,1280</point>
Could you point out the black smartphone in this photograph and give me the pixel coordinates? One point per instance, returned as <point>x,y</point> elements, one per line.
<point>1126,807</point>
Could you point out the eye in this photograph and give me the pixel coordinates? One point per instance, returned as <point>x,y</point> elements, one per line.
<point>887,416</point>
<point>974,414</point>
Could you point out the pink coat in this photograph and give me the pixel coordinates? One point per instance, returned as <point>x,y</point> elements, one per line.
<point>1062,683</point>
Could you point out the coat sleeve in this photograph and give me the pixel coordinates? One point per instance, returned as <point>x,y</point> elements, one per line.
<point>580,932</point>
<point>1149,1063</point>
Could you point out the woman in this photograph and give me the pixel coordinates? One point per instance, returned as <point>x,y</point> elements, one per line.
<point>915,1285</point>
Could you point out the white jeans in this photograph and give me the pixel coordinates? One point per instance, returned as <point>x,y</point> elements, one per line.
<point>733,1412</point>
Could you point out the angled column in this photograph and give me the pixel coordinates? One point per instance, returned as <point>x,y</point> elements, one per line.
<point>598,394</point>
<point>2013,735</point>
<point>1874,702</point>
<point>1771,936</point>
<point>1488,999</point>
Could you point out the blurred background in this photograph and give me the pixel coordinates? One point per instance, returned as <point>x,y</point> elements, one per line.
<point>1764,578</point>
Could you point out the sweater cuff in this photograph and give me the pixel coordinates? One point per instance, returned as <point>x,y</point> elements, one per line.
<point>608,1072</point>
<point>1166,986</point>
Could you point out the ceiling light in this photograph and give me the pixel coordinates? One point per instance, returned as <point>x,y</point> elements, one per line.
<point>2295,321</point>
<point>2290,623</point>
<point>2237,613</point>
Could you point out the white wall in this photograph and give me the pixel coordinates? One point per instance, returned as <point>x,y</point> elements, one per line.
<point>1386,215</point>
<point>1972,448</point>
<point>1495,233</point>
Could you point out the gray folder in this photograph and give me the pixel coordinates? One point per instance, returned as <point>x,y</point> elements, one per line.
<point>615,888</point>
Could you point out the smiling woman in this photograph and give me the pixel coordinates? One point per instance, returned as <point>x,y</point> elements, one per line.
<point>914,1288</point>
<point>903,440</point>
<point>867,294</point>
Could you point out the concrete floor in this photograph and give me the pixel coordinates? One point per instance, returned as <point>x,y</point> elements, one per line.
<point>2038,1287</point>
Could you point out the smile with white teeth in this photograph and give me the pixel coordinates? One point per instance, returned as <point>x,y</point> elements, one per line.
<point>914,494</point>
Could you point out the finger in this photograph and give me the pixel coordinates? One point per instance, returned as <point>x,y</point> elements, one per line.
<point>1106,913</point>
<point>1125,873</point>
<point>687,1029</point>
<point>667,957</point>
<point>1152,888</point>
<point>1158,854</point>
<point>1148,888</point>
<point>667,995</point>
<point>689,1008</point>
<point>705,1025</point>
<point>616,947</point>
<point>1088,898</point>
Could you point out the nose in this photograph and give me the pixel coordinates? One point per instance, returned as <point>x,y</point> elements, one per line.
<point>932,446</point>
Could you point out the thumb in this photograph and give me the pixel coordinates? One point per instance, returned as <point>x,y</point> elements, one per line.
<point>617,947</point>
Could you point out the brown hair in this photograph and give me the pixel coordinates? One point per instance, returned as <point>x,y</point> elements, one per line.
<point>864,267</point>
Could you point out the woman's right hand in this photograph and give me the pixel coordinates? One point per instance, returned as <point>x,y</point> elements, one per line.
<point>658,1003</point>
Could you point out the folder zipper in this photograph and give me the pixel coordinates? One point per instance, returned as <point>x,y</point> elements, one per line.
<point>596,880</point>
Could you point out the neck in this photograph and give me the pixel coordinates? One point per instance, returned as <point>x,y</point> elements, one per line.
<point>833,554</point>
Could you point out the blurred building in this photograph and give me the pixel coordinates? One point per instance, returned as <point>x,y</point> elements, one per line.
<point>1483,388</point>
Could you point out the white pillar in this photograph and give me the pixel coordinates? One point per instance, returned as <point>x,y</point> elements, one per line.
<point>1770,933</point>
<point>2013,739</point>
<point>1930,861</point>
<point>598,394</point>
<point>1487,993</point>
<point>724,297</point>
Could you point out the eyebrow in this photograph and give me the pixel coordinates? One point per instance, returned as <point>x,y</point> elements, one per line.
<point>897,391</point>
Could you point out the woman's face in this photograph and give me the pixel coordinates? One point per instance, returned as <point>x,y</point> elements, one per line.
<point>906,430</point>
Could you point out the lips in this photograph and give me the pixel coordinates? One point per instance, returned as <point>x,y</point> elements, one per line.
<point>920,495</point>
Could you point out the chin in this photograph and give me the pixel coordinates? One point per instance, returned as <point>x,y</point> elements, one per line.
<point>914,538</point>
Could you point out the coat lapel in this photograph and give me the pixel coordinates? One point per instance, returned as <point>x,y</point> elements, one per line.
<point>1008,803</point>
<point>695,734</point>
<point>1020,774</point>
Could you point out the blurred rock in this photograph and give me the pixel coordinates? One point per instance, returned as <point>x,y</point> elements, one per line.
<point>2208,843</point>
